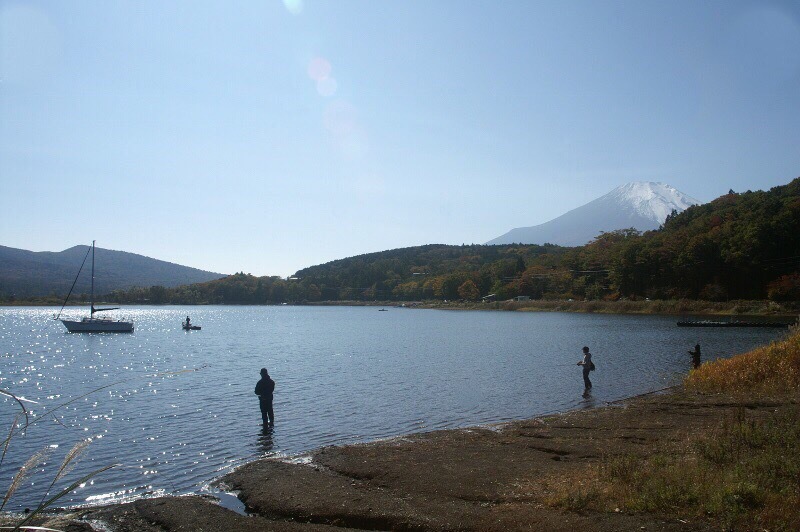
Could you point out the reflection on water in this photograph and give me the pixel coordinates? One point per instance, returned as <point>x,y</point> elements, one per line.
<point>177,409</point>
<point>588,399</point>
<point>265,442</point>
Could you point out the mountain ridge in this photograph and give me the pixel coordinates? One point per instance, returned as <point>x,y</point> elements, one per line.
<point>643,205</point>
<point>26,273</point>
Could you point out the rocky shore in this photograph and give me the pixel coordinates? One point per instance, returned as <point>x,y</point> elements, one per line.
<point>482,478</point>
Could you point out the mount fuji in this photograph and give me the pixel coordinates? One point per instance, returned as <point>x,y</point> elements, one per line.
<point>641,205</point>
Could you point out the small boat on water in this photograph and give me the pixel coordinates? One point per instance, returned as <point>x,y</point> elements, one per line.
<point>383,310</point>
<point>90,323</point>
<point>189,327</point>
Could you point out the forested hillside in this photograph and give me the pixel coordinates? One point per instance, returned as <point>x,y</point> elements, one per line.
<point>425,272</point>
<point>29,273</point>
<point>739,246</point>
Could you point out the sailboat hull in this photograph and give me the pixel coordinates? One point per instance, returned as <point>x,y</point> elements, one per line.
<point>97,325</point>
<point>91,324</point>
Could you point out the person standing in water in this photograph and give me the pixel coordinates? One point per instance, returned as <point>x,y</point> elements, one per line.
<point>264,389</point>
<point>695,356</point>
<point>588,366</point>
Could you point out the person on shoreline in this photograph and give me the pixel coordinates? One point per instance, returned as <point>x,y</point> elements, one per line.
<point>695,356</point>
<point>588,366</point>
<point>264,389</point>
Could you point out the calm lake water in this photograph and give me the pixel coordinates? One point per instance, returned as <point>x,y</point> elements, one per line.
<point>343,375</point>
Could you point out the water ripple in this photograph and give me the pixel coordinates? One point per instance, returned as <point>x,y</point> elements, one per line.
<point>343,375</point>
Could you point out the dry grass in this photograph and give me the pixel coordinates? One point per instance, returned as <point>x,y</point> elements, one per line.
<point>745,475</point>
<point>770,370</point>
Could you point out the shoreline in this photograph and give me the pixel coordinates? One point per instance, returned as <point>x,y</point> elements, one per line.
<point>491,477</point>
<point>682,307</point>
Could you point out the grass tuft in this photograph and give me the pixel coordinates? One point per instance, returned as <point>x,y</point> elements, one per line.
<point>36,459</point>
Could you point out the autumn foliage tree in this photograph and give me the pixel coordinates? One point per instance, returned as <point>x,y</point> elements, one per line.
<point>469,291</point>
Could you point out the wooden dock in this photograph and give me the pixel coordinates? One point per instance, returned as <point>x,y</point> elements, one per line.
<point>734,323</point>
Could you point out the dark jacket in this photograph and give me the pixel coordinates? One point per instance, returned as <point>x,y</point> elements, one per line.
<point>264,388</point>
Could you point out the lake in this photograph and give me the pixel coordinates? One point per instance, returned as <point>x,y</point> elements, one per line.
<point>177,408</point>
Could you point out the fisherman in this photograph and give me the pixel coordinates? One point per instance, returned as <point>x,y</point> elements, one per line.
<point>588,366</point>
<point>695,356</point>
<point>264,389</point>
<point>187,322</point>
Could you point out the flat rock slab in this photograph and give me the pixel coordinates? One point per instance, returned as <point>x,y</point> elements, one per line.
<point>187,514</point>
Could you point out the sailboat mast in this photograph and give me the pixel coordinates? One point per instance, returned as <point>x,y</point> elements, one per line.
<point>91,299</point>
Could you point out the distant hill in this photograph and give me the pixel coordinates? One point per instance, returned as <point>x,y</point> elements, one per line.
<point>28,273</point>
<point>643,206</point>
<point>433,271</point>
<point>423,272</point>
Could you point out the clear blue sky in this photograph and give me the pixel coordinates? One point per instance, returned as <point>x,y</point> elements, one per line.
<point>269,136</point>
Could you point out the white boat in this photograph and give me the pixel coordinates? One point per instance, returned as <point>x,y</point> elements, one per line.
<point>90,323</point>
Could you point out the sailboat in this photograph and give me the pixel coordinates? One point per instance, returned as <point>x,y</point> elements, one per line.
<point>90,323</point>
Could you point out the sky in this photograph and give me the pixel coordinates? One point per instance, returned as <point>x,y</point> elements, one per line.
<point>268,136</point>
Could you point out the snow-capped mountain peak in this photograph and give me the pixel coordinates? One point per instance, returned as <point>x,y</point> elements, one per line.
<point>642,205</point>
<point>652,200</point>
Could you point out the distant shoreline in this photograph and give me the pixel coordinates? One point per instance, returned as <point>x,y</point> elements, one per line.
<point>655,307</point>
<point>640,307</point>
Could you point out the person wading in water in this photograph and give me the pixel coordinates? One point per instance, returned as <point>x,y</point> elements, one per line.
<point>264,389</point>
<point>588,366</point>
<point>695,356</point>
